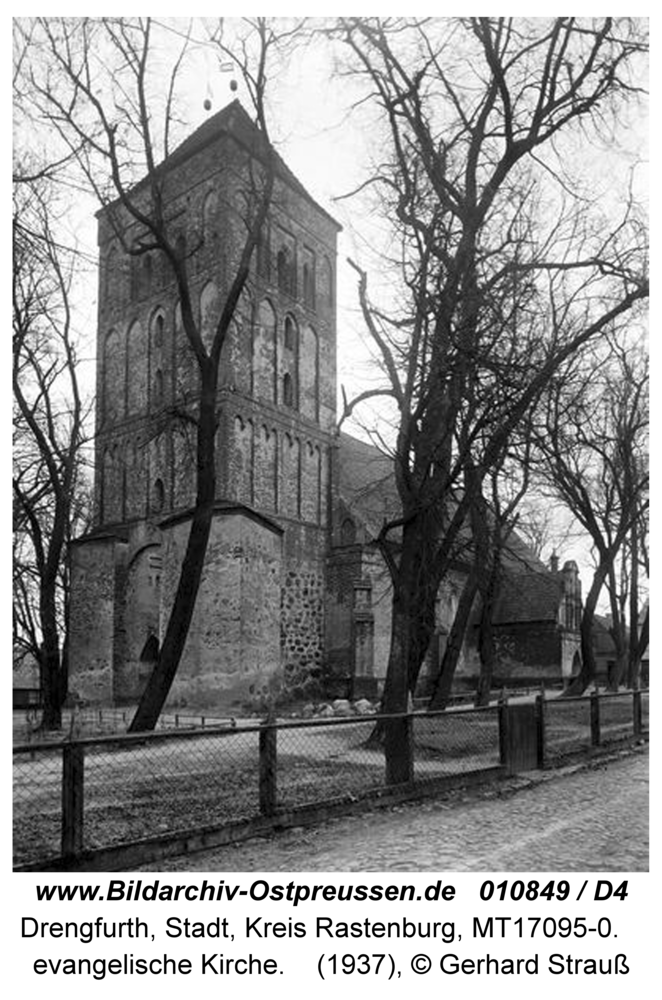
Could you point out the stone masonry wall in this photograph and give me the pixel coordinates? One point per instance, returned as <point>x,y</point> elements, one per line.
<point>302,603</point>
<point>233,646</point>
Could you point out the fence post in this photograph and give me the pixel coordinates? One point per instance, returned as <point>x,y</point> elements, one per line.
<point>503,728</point>
<point>73,771</point>
<point>268,766</point>
<point>636,712</point>
<point>595,718</point>
<point>399,750</point>
<point>541,735</point>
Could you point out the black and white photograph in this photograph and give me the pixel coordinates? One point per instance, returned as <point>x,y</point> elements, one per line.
<point>331,451</point>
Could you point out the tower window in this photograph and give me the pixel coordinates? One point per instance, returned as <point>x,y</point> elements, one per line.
<point>309,286</point>
<point>290,334</point>
<point>348,532</point>
<point>288,389</point>
<point>263,255</point>
<point>285,270</point>
<point>158,496</point>
<point>158,332</point>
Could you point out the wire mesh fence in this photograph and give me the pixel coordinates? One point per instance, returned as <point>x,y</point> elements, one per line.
<point>615,717</point>
<point>567,727</point>
<point>37,803</point>
<point>327,761</point>
<point>162,787</point>
<point>102,792</point>
<point>455,742</point>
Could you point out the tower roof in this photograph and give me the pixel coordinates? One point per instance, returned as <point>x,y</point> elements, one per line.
<point>234,120</point>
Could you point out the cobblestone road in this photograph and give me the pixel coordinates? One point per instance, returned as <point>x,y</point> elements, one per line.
<point>589,820</point>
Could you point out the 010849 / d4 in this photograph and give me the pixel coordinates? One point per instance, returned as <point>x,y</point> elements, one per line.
<point>533,889</point>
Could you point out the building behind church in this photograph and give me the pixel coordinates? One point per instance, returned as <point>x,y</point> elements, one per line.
<point>293,585</point>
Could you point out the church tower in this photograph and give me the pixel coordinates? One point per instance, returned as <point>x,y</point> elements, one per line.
<point>260,611</point>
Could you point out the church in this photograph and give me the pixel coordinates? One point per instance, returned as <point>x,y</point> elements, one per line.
<point>293,587</point>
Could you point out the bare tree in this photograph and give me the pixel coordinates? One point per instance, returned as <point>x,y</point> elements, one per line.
<point>594,442</point>
<point>49,435</point>
<point>492,519</point>
<point>501,272</point>
<point>109,90</point>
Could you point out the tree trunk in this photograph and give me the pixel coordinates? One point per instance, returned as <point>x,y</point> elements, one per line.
<point>617,631</point>
<point>487,548</point>
<point>444,682</point>
<point>53,688</point>
<point>160,681</point>
<point>487,651</point>
<point>394,732</point>
<point>412,625</point>
<point>634,651</point>
<point>587,673</point>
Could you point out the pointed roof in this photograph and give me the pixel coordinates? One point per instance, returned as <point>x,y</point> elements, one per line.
<point>235,121</point>
<point>531,596</point>
<point>366,484</point>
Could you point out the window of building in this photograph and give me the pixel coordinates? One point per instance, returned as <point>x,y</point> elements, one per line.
<point>285,268</point>
<point>290,337</point>
<point>159,324</point>
<point>209,217</point>
<point>309,285</point>
<point>347,532</point>
<point>263,255</point>
<point>288,389</point>
<point>150,651</point>
<point>158,496</point>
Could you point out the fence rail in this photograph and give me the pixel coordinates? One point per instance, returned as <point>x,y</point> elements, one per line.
<point>89,794</point>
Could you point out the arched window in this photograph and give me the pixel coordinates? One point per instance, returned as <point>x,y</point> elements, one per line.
<point>209,217</point>
<point>288,363</point>
<point>288,390</point>
<point>264,352</point>
<point>326,283</point>
<point>112,395</point>
<point>264,254</point>
<point>209,313</point>
<point>150,651</point>
<point>348,532</point>
<point>290,334</point>
<point>309,285</point>
<point>159,325</point>
<point>309,374</point>
<point>285,268</point>
<point>137,388</point>
<point>158,496</point>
